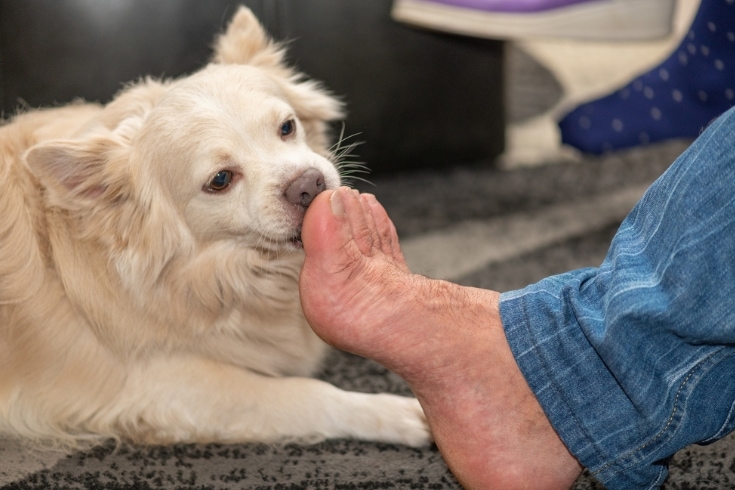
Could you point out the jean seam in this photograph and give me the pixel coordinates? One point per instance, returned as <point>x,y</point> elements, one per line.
<point>662,474</point>
<point>669,421</point>
<point>724,428</point>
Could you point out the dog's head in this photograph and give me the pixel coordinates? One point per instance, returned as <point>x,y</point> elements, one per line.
<point>233,153</point>
<point>239,152</point>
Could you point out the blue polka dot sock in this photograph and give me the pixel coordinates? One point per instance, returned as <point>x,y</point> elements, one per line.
<point>677,99</point>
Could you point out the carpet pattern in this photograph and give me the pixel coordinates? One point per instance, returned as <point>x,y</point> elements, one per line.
<point>332,464</point>
<point>337,464</point>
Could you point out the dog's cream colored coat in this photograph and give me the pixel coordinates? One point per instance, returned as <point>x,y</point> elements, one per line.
<point>149,264</point>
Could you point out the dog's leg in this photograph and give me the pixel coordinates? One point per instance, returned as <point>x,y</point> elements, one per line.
<point>194,400</point>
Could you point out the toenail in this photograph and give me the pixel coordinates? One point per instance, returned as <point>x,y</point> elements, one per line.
<point>338,207</point>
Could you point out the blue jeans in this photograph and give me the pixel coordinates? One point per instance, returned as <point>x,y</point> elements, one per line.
<point>635,359</point>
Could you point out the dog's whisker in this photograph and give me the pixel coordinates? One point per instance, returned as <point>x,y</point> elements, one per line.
<point>355,167</point>
<point>343,151</point>
<point>342,146</point>
<point>346,152</point>
<point>350,173</point>
<point>352,177</point>
<point>345,160</point>
<point>349,180</point>
<point>342,138</point>
<point>350,164</point>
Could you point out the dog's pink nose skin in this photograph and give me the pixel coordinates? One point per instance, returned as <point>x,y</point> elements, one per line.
<point>305,188</point>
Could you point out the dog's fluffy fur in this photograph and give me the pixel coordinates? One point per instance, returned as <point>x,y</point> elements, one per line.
<point>149,263</point>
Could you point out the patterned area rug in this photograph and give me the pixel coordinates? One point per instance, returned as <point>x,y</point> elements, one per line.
<point>329,465</point>
<point>332,464</point>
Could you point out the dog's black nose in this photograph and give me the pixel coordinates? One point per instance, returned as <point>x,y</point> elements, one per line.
<point>306,187</point>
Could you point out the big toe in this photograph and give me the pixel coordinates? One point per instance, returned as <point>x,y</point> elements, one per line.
<point>323,232</point>
<point>329,251</point>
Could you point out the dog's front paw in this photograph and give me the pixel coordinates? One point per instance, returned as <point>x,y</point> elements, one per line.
<point>402,421</point>
<point>417,430</point>
<point>336,414</point>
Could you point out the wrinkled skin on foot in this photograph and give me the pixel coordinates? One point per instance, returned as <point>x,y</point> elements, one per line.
<point>445,340</point>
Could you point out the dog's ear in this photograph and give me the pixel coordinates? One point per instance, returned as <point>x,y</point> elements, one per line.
<point>92,178</point>
<point>311,101</point>
<point>245,42</point>
<point>77,172</point>
<point>72,171</point>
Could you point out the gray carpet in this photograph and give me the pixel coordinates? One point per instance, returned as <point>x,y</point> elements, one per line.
<point>418,202</point>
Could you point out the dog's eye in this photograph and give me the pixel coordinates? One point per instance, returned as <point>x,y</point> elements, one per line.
<point>221,181</point>
<point>288,128</point>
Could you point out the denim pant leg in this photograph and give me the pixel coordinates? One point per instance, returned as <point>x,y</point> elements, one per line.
<point>635,359</point>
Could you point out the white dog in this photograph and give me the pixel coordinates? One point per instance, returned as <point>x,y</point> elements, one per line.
<point>149,261</point>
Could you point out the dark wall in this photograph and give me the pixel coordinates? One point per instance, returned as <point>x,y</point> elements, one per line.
<point>417,98</point>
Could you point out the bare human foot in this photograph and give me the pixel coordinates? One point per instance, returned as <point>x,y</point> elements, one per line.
<point>445,340</point>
